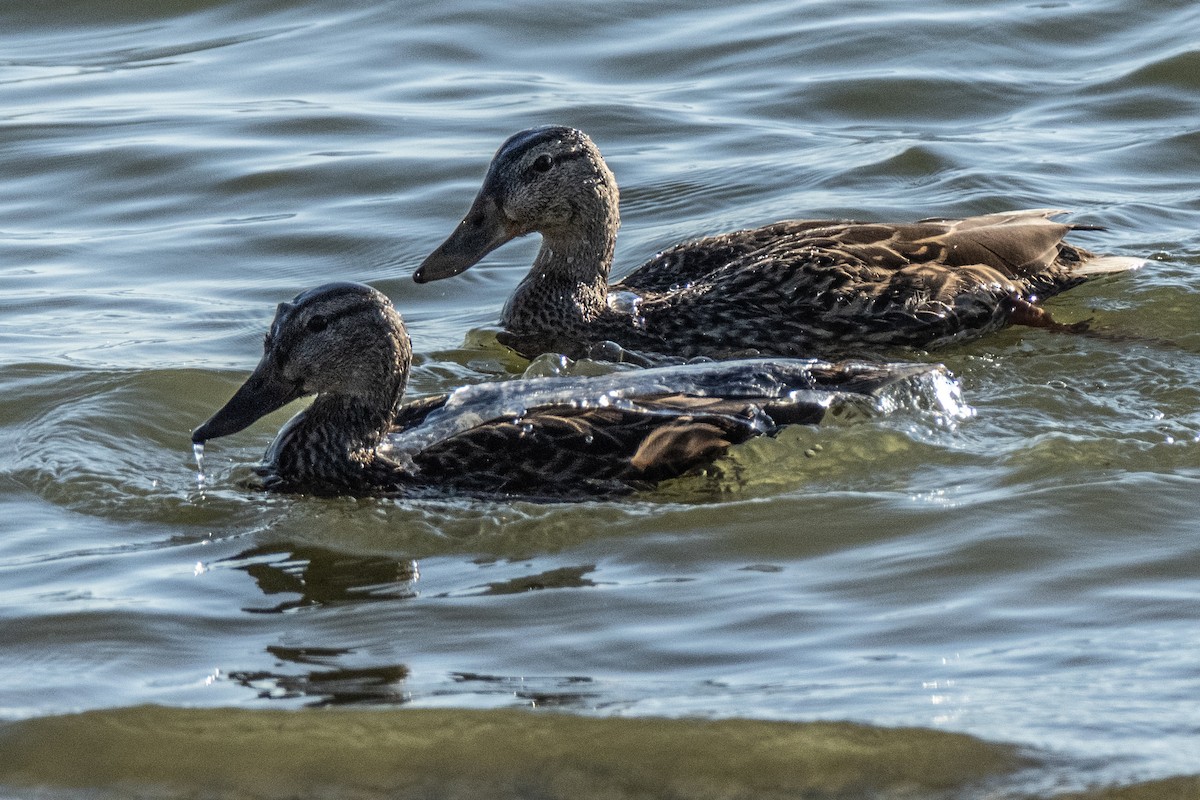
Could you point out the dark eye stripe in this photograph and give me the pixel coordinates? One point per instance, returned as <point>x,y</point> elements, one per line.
<point>283,352</point>
<point>558,158</point>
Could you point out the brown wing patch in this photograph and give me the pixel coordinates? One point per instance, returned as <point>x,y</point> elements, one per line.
<point>676,447</point>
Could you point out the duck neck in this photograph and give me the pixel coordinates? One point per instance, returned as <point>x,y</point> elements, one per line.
<point>567,287</point>
<point>333,445</point>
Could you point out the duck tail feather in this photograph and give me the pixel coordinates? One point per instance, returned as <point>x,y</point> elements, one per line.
<point>1101,265</point>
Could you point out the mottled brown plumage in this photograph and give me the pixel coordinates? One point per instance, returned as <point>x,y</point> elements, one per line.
<point>795,288</point>
<point>539,438</point>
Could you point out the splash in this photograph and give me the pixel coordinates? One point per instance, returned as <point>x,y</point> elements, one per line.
<point>802,381</point>
<point>946,396</point>
<point>936,393</point>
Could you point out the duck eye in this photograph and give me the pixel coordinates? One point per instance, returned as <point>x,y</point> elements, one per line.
<point>317,324</point>
<point>543,163</point>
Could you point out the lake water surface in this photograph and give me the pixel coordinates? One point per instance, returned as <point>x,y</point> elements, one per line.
<point>1014,596</point>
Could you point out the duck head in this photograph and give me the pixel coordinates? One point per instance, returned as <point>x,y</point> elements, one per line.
<point>550,180</point>
<point>340,340</point>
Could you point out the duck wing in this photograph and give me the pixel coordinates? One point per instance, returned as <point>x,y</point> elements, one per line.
<point>643,433</point>
<point>823,285</point>
<point>1021,245</point>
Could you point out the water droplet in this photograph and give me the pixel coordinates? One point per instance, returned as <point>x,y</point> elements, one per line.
<point>198,452</point>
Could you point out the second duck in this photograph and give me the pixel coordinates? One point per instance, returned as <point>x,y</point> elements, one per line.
<point>795,288</point>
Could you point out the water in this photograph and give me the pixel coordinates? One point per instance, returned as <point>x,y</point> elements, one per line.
<point>1028,577</point>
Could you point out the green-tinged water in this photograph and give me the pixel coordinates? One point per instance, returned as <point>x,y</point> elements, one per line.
<point>1019,587</point>
<point>424,753</point>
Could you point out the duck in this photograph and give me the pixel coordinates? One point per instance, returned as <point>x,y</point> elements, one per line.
<point>797,288</point>
<point>540,438</point>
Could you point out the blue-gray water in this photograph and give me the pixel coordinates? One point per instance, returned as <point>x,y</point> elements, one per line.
<point>172,170</point>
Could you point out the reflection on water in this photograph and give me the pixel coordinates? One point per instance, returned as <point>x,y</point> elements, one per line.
<point>561,578</point>
<point>539,691</point>
<point>332,686</point>
<point>320,577</point>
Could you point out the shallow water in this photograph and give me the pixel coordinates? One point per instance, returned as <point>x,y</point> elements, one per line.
<point>172,170</point>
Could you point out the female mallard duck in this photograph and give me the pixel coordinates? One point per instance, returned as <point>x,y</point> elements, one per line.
<point>547,437</point>
<point>797,288</point>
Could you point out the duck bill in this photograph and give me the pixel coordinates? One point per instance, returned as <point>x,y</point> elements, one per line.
<point>483,229</point>
<point>261,394</point>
